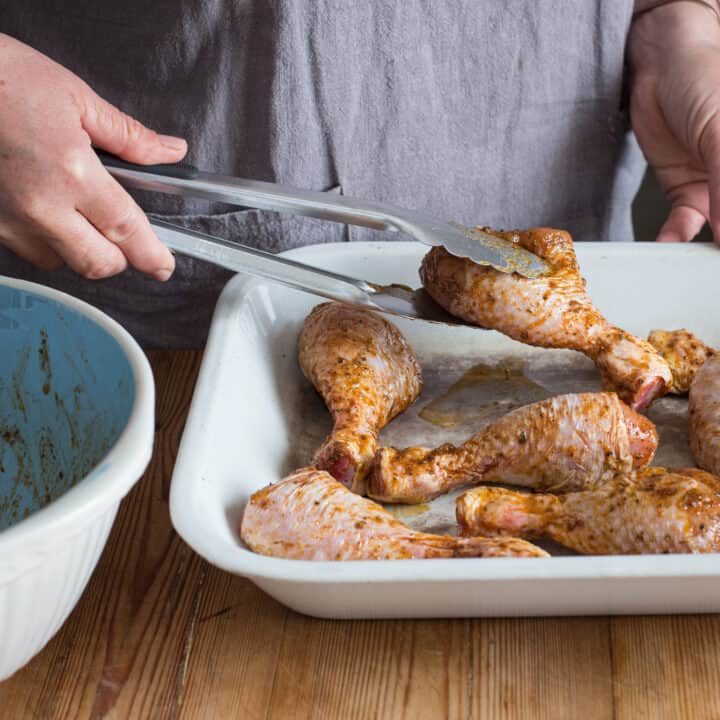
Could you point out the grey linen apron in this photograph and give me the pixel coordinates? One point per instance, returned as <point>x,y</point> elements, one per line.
<point>500,112</point>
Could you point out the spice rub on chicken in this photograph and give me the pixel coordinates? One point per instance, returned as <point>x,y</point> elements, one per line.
<point>704,406</point>
<point>366,373</point>
<point>551,311</point>
<point>568,442</point>
<point>656,511</point>
<point>311,516</point>
<point>684,353</point>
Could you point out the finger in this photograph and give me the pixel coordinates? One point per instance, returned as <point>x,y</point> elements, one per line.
<point>710,154</point>
<point>690,204</point>
<point>118,218</point>
<point>682,225</point>
<point>35,250</point>
<point>85,250</point>
<point>126,137</point>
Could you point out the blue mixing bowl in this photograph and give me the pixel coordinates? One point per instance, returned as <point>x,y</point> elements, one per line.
<point>66,392</point>
<point>76,431</point>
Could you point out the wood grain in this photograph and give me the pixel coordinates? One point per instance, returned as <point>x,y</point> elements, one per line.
<point>235,649</point>
<point>537,668</point>
<point>667,667</point>
<point>252,658</point>
<point>160,634</point>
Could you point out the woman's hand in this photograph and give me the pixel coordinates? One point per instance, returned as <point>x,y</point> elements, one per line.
<point>58,204</point>
<point>674,54</point>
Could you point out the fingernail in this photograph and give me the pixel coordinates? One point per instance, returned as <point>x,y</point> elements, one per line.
<point>163,275</point>
<point>174,143</point>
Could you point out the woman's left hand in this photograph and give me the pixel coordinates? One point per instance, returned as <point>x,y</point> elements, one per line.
<point>674,54</point>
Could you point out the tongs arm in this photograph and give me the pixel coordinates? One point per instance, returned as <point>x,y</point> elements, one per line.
<point>188,181</point>
<point>241,258</point>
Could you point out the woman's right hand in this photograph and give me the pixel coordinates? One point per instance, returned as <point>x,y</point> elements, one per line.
<point>58,204</point>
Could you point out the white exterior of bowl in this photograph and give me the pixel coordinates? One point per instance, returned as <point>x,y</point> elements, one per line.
<point>46,560</point>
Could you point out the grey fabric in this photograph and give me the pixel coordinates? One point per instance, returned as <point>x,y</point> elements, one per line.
<point>501,112</point>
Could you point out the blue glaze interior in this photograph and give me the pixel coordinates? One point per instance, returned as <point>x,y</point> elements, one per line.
<point>66,393</point>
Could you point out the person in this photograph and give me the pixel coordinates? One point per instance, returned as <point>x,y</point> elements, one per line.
<point>508,113</point>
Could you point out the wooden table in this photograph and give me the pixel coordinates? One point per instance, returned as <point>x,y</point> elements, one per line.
<point>159,633</point>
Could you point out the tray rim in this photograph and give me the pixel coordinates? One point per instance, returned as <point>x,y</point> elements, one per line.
<point>238,292</point>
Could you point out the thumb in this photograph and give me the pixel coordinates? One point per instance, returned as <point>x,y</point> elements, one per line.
<point>682,225</point>
<point>124,136</point>
<point>690,209</point>
<point>710,153</point>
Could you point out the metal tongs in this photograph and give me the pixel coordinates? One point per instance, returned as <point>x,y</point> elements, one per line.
<point>186,180</point>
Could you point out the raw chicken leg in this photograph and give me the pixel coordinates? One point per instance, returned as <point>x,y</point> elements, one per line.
<point>366,373</point>
<point>658,511</point>
<point>683,352</point>
<point>551,311</point>
<point>311,516</point>
<point>569,442</point>
<point>704,404</point>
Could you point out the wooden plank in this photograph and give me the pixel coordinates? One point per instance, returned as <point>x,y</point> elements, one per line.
<point>235,648</point>
<point>372,669</point>
<point>667,667</point>
<point>252,658</point>
<point>121,652</point>
<point>536,668</point>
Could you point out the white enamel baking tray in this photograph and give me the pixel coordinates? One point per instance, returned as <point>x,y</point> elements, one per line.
<point>253,418</point>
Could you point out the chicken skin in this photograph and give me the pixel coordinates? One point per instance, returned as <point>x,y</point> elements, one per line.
<point>657,511</point>
<point>684,353</point>
<point>311,516</point>
<point>366,373</point>
<point>551,311</point>
<point>704,404</point>
<point>564,443</point>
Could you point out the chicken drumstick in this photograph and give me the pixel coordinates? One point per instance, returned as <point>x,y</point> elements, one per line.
<point>366,373</point>
<point>657,511</point>
<point>311,516</point>
<point>704,404</point>
<point>551,311</point>
<point>684,353</point>
<point>569,442</point>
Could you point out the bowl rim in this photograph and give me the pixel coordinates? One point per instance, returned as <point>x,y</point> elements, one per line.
<point>119,469</point>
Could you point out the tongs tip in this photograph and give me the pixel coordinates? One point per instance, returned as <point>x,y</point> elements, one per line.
<point>485,248</point>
